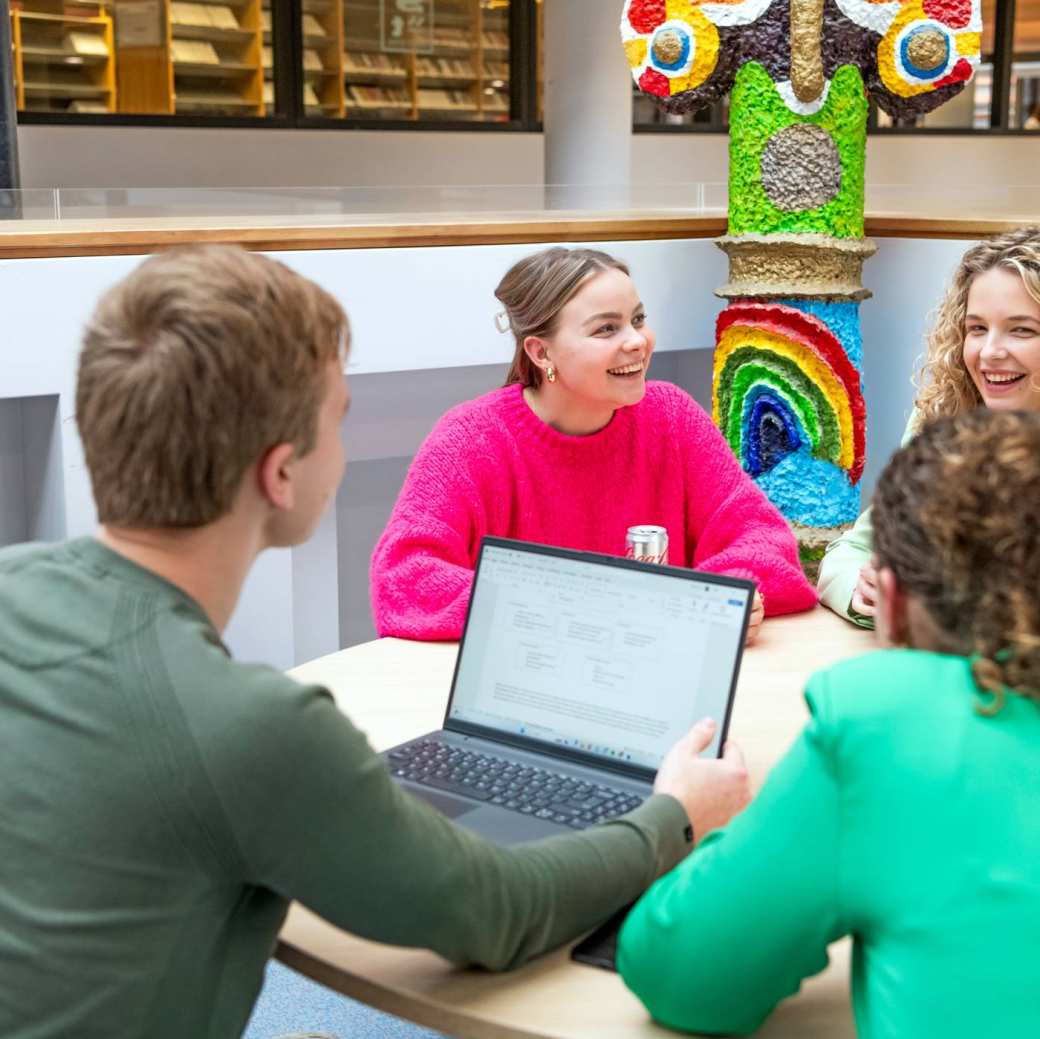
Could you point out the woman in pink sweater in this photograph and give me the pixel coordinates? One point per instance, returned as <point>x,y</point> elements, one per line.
<point>576,448</point>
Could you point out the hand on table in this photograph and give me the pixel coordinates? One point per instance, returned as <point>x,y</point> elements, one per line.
<point>864,598</point>
<point>712,790</point>
<point>758,614</point>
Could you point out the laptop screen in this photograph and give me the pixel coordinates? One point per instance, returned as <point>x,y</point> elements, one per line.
<point>616,661</point>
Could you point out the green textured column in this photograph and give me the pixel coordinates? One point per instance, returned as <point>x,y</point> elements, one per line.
<point>757,113</point>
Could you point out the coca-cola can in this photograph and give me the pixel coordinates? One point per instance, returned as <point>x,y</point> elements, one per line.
<point>647,543</point>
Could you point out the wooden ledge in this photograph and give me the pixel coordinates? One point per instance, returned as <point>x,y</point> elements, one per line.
<point>82,239</point>
<point>37,239</point>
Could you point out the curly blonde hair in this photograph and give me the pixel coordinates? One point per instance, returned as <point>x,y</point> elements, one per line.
<point>944,386</point>
<point>955,521</point>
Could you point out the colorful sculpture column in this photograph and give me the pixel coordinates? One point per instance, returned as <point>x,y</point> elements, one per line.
<point>788,388</point>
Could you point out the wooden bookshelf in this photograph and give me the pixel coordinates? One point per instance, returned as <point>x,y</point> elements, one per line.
<point>216,56</point>
<point>377,84</point>
<point>465,75</point>
<point>267,54</point>
<point>493,57</point>
<point>206,58</point>
<point>16,61</point>
<point>63,57</point>
<point>324,87</point>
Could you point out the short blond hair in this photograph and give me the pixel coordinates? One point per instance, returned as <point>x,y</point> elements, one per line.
<point>192,367</point>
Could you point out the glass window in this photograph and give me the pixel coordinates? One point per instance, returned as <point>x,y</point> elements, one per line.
<point>424,60</point>
<point>646,112</point>
<point>1025,67</point>
<point>64,58</point>
<point>144,57</point>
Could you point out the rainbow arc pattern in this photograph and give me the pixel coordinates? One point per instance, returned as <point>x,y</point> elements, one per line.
<point>783,383</point>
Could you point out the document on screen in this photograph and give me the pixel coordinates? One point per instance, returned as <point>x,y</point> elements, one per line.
<point>613,661</point>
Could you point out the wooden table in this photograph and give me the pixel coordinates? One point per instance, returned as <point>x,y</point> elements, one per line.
<point>396,690</point>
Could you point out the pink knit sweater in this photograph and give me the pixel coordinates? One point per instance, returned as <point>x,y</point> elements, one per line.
<point>491,466</point>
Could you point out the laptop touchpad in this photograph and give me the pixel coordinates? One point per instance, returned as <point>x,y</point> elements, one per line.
<point>447,805</point>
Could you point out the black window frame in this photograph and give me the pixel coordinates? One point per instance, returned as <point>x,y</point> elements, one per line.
<point>289,114</point>
<point>287,40</point>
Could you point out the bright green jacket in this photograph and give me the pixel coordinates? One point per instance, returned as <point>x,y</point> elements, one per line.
<point>901,816</point>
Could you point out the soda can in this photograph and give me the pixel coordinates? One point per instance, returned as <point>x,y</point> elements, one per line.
<point>646,543</point>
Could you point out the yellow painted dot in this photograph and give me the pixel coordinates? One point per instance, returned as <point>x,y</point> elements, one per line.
<point>969,44</point>
<point>636,52</point>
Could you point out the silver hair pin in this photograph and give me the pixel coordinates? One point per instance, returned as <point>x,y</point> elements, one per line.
<point>502,321</point>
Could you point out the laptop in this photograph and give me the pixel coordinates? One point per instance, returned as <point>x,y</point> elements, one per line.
<point>575,675</point>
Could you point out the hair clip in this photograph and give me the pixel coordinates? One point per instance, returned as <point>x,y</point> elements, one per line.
<point>502,321</point>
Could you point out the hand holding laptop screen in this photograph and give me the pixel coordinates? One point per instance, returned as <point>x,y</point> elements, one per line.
<point>712,792</point>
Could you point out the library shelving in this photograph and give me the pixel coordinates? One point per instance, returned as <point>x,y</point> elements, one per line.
<point>216,57</point>
<point>206,58</point>
<point>267,54</point>
<point>16,61</point>
<point>462,73</point>
<point>63,57</point>
<point>324,88</point>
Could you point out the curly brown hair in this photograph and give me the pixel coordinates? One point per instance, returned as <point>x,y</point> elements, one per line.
<point>944,386</point>
<point>955,521</point>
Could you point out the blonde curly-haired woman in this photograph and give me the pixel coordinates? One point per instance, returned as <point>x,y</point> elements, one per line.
<point>984,350</point>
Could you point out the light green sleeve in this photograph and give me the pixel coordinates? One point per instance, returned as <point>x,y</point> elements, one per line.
<point>840,567</point>
<point>718,942</point>
<point>847,555</point>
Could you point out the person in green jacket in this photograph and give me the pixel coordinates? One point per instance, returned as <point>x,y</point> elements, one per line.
<point>161,803</point>
<point>907,814</point>
<point>983,350</point>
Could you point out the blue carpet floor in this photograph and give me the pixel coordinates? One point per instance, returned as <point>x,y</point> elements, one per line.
<point>292,1003</point>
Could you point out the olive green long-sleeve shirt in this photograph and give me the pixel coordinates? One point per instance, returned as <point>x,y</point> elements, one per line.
<point>901,816</point>
<point>161,803</point>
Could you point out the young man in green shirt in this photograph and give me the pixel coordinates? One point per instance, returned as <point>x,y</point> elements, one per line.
<point>160,803</point>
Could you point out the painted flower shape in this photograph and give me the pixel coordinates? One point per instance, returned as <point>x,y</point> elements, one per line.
<point>671,45</point>
<point>930,45</point>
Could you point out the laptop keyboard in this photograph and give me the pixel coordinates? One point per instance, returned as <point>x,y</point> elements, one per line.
<point>520,788</point>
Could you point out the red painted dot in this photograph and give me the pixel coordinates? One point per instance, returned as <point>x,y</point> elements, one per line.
<point>652,82</point>
<point>646,15</point>
<point>960,74</point>
<point>953,13</point>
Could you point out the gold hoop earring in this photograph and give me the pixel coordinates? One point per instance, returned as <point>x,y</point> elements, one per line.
<point>550,373</point>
